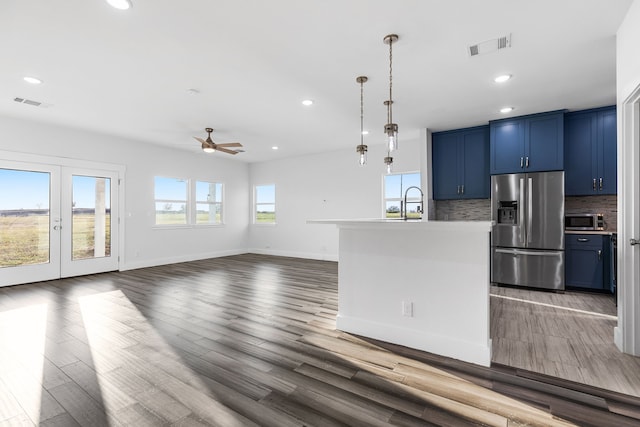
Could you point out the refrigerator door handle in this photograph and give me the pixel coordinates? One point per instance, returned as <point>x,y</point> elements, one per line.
<point>521,210</point>
<point>522,252</point>
<point>529,209</point>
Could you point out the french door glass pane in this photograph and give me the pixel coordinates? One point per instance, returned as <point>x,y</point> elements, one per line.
<point>91,235</point>
<point>24,217</point>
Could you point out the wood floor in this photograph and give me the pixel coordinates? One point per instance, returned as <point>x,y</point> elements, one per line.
<point>247,340</point>
<point>566,335</point>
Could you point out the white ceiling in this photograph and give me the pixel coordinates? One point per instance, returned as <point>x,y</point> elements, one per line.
<point>127,73</point>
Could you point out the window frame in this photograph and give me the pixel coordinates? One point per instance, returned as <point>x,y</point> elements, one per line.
<point>256,204</point>
<point>196,202</point>
<point>191,203</point>
<point>385,200</point>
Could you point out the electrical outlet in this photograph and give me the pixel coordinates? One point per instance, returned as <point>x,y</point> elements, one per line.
<point>407,308</point>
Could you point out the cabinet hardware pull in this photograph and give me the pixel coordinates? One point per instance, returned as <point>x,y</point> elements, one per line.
<point>582,239</point>
<point>600,183</point>
<point>594,184</point>
<point>599,254</point>
<point>527,162</point>
<point>458,190</point>
<point>462,188</point>
<point>521,162</point>
<point>634,242</point>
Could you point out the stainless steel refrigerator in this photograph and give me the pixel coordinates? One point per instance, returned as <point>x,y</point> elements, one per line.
<point>527,239</point>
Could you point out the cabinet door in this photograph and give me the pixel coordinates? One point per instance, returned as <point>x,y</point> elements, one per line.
<point>544,143</point>
<point>445,166</point>
<point>475,164</point>
<point>507,146</point>
<point>607,150</point>
<point>580,154</point>
<point>584,259</point>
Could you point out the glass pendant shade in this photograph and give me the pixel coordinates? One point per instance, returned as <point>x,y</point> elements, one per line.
<point>391,130</point>
<point>362,151</point>
<point>389,162</point>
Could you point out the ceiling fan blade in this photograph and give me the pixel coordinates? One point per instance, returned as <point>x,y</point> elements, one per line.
<point>230,144</point>
<point>200,140</point>
<point>224,150</point>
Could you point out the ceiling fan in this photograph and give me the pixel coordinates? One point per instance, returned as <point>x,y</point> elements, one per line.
<point>208,146</point>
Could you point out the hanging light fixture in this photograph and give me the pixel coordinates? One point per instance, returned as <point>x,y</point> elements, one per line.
<point>362,148</point>
<point>391,129</point>
<point>389,162</point>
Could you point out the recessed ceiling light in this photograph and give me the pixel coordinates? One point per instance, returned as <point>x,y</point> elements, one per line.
<point>120,4</point>
<point>503,78</point>
<point>193,91</point>
<point>365,132</point>
<point>307,102</point>
<point>32,80</point>
<point>274,148</point>
<point>506,110</point>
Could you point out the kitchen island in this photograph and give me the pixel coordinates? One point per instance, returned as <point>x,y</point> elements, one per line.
<point>420,284</point>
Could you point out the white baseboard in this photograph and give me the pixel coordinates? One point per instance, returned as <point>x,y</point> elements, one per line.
<point>132,265</point>
<point>294,254</point>
<point>471,352</point>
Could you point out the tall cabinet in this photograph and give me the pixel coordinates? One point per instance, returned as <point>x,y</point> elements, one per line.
<point>461,164</point>
<point>591,152</point>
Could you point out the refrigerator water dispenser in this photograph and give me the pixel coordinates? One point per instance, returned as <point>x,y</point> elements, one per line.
<point>508,212</point>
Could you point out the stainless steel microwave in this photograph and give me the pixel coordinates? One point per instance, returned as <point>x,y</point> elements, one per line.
<point>584,221</point>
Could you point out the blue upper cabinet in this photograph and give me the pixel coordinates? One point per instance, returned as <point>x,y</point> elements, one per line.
<point>591,152</point>
<point>527,144</point>
<point>461,164</point>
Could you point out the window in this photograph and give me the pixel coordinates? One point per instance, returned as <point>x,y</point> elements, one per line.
<point>265,204</point>
<point>208,202</point>
<point>171,197</point>
<point>395,186</point>
<point>181,202</point>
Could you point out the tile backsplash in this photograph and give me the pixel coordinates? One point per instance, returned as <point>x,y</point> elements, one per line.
<point>480,209</point>
<point>606,205</point>
<point>463,210</point>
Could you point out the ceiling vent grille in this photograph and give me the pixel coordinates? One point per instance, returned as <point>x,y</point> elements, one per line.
<point>489,46</point>
<point>31,102</point>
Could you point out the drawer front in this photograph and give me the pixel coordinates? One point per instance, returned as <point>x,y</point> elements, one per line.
<point>581,240</point>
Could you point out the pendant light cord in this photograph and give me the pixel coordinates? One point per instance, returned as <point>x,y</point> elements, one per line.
<point>361,112</point>
<point>390,111</point>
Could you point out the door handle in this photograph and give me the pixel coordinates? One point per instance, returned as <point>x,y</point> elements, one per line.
<point>57,227</point>
<point>634,242</point>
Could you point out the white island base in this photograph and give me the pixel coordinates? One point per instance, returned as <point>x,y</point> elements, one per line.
<point>420,284</point>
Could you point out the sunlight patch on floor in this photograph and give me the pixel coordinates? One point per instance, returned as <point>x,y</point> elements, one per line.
<point>22,334</point>
<point>575,310</point>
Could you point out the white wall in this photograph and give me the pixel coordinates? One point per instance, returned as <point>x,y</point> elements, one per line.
<point>627,333</point>
<point>323,186</point>
<point>145,245</point>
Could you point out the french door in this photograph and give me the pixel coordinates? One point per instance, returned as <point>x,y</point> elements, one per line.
<point>56,221</point>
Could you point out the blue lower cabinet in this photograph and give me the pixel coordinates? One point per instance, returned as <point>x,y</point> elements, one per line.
<point>587,261</point>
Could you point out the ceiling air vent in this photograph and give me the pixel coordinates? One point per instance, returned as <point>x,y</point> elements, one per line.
<point>490,45</point>
<point>32,102</point>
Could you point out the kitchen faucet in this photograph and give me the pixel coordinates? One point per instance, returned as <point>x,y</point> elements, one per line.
<point>403,206</point>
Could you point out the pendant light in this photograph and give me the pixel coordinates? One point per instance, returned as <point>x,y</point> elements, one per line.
<point>391,129</point>
<point>362,148</point>
<point>389,162</point>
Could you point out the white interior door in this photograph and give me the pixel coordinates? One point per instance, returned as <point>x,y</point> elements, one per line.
<point>56,221</point>
<point>29,222</point>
